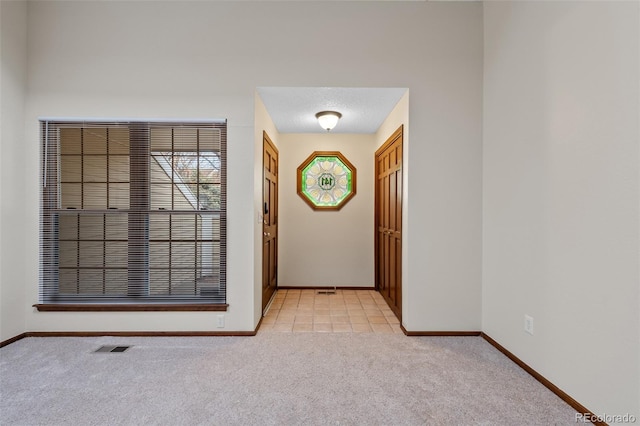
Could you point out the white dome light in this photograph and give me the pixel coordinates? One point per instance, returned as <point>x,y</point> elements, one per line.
<point>328,119</point>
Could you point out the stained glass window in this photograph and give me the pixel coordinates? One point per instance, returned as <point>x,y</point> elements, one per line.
<point>326,180</point>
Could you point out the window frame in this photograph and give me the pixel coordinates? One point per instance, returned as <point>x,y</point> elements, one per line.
<point>50,298</point>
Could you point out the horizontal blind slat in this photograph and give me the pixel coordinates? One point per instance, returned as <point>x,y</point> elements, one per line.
<point>133,212</point>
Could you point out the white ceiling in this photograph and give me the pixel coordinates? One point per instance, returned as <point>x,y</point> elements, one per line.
<point>363,110</point>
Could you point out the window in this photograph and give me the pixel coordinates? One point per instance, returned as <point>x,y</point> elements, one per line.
<point>326,180</point>
<point>133,213</point>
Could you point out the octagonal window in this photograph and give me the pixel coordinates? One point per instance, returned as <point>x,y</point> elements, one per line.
<point>326,180</point>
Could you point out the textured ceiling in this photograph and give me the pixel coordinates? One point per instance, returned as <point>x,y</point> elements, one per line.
<point>363,110</point>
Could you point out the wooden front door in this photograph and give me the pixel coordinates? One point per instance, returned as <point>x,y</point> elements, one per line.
<point>270,220</point>
<point>388,217</point>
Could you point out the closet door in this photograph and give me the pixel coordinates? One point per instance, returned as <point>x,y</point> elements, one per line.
<point>388,225</point>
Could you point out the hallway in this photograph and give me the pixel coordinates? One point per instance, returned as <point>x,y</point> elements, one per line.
<point>358,311</point>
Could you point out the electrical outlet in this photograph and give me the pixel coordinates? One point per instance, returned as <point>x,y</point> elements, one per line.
<point>528,324</point>
<point>220,323</point>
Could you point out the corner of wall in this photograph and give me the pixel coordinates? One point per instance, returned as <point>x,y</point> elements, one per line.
<point>13,18</point>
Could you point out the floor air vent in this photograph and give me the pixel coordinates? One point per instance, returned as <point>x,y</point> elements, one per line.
<point>328,291</point>
<point>111,348</point>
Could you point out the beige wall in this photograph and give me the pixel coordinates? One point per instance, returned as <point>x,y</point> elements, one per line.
<point>326,248</point>
<point>205,59</point>
<point>561,189</point>
<point>263,123</point>
<point>13,45</point>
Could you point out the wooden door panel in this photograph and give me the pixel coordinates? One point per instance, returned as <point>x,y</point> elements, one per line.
<point>398,202</point>
<point>270,220</point>
<point>382,284</point>
<point>398,274</point>
<point>388,229</point>
<point>392,202</point>
<point>391,261</point>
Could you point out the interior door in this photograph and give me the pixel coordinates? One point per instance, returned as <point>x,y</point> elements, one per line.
<point>270,221</point>
<point>388,226</point>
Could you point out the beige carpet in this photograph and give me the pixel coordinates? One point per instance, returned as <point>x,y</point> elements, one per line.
<point>271,379</point>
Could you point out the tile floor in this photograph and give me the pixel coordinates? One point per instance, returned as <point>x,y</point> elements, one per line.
<point>346,311</point>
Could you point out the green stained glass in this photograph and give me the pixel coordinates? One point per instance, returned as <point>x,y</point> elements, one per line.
<point>326,181</point>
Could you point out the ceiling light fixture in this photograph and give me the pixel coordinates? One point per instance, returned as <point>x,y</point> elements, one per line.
<point>328,119</point>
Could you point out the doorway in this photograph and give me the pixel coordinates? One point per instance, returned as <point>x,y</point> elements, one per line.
<point>321,249</point>
<point>270,220</point>
<point>388,221</point>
